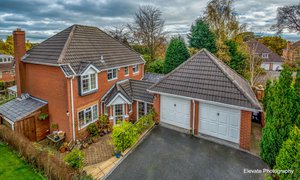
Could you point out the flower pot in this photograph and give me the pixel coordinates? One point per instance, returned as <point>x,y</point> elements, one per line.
<point>118,155</point>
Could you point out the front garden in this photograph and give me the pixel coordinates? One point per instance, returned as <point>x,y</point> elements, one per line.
<point>12,166</point>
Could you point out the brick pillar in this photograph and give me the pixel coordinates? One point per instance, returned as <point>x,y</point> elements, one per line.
<point>196,125</point>
<point>19,52</point>
<point>156,106</point>
<point>245,131</point>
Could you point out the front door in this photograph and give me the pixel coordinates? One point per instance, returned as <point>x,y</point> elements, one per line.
<point>118,113</point>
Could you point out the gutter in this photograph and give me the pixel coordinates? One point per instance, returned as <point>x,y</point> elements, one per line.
<point>72,109</point>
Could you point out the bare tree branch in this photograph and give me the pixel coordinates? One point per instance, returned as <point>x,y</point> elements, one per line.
<point>288,17</point>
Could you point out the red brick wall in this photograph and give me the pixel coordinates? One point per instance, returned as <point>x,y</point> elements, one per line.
<point>245,131</point>
<point>156,106</point>
<point>49,83</point>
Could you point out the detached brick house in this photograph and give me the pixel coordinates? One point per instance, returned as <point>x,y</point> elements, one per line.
<point>75,76</point>
<point>7,70</point>
<point>271,60</point>
<point>292,52</point>
<point>204,96</point>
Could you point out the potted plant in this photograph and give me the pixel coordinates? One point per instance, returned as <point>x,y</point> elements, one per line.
<point>117,153</point>
<point>43,116</point>
<point>54,126</point>
<point>64,147</point>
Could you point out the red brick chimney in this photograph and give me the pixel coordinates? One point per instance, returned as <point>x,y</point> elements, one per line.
<point>288,45</point>
<point>19,52</point>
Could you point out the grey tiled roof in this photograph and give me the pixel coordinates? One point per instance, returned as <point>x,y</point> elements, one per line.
<point>78,45</point>
<point>205,77</point>
<point>260,48</point>
<point>152,77</point>
<point>17,109</point>
<point>132,90</point>
<point>67,69</point>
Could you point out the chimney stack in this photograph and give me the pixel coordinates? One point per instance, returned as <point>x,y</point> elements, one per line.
<point>19,52</point>
<point>288,45</point>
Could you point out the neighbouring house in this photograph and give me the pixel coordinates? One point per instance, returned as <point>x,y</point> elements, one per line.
<point>12,91</point>
<point>292,52</point>
<point>7,70</point>
<point>270,60</point>
<point>204,96</point>
<point>75,76</point>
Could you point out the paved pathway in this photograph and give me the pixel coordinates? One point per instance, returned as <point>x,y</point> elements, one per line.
<point>99,151</point>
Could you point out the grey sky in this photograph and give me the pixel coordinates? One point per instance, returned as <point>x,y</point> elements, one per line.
<point>42,19</point>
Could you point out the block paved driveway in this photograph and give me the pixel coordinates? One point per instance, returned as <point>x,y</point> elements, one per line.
<point>167,154</point>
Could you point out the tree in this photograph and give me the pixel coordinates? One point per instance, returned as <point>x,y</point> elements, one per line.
<point>157,67</point>
<point>120,33</point>
<point>281,115</point>
<point>238,60</point>
<point>147,28</point>
<point>297,82</point>
<point>176,54</point>
<point>7,47</point>
<point>267,94</point>
<point>289,156</point>
<point>288,17</point>
<point>254,62</point>
<point>200,36</point>
<point>275,43</point>
<point>222,20</point>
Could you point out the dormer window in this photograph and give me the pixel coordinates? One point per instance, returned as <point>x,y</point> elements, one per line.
<point>135,68</point>
<point>89,81</point>
<point>112,74</point>
<point>265,55</point>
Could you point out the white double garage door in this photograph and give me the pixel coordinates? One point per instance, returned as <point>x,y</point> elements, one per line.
<point>217,121</point>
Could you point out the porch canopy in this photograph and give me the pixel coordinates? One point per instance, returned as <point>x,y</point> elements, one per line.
<point>19,108</point>
<point>128,91</point>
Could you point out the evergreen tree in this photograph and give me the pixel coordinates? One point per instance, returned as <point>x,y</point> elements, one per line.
<point>297,82</point>
<point>200,36</point>
<point>289,155</point>
<point>268,94</point>
<point>281,115</point>
<point>176,54</point>
<point>237,59</point>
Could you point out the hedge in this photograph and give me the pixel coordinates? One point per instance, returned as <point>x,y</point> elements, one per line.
<point>53,167</point>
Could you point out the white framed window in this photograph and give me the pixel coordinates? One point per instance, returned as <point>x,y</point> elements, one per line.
<point>265,55</point>
<point>87,116</point>
<point>105,110</point>
<point>130,108</point>
<point>126,70</point>
<point>1,60</point>
<point>112,74</point>
<point>135,68</point>
<point>89,83</point>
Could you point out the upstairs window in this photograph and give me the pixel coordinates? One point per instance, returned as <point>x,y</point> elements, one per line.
<point>112,74</point>
<point>89,83</point>
<point>135,68</point>
<point>265,55</point>
<point>126,69</point>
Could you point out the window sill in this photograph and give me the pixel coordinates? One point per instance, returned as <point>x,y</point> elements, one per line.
<point>89,92</point>
<point>84,126</point>
<point>134,73</point>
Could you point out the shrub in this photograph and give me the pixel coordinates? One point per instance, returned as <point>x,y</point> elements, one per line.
<point>103,121</point>
<point>124,135</point>
<point>75,159</point>
<point>289,156</point>
<point>145,122</point>
<point>93,129</point>
<point>157,67</point>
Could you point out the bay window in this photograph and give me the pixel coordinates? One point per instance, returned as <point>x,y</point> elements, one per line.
<point>87,116</point>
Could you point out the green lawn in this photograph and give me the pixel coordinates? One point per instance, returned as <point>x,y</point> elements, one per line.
<point>13,167</point>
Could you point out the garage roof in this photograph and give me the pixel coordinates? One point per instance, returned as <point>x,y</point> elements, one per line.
<point>204,76</point>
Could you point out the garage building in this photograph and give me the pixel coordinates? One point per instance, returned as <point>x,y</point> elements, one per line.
<point>205,96</point>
